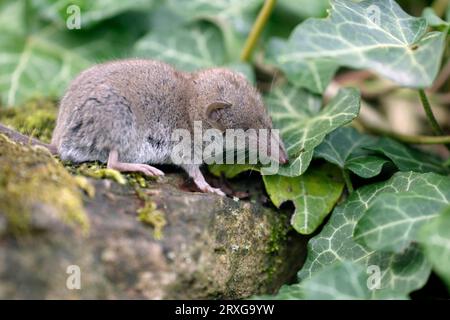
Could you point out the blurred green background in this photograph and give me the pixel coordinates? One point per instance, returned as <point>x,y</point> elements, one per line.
<point>39,55</point>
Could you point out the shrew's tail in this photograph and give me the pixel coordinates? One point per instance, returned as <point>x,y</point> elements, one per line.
<point>18,137</point>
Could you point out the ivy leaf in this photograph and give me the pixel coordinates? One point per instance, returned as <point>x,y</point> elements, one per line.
<point>345,148</point>
<point>314,195</point>
<point>245,69</point>
<point>341,281</point>
<point>435,21</point>
<point>365,155</point>
<point>303,126</point>
<point>306,8</point>
<point>39,60</point>
<point>91,11</point>
<point>376,35</point>
<point>286,292</point>
<point>366,166</point>
<point>393,220</point>
<point>407,158</point>
<point>188,49</point>
<point>401,272</point>
<point>233,17</point>
<point>230,171</point>
<point>344,280</point>
<point>226,9</point>
<point>314,75</point>
<point>435,237</point>
<point>432,19</point>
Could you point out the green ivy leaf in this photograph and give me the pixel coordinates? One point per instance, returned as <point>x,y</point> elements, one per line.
<point>188,49</point>
<point>344,280</point>
<point>91,11</point>
<point>435,237</point>
<point>306,8</point>
<point>39,60</point>
<point>366,166</point>
<point>303,126</point>
<point>226,9</point>
<point>314,195</point>
<point>340,281</point>
<point>286,292</point>
<point>393,220</point>
<point>164,20</point>
<point>245,69</point>
<point>401,272</point>
<point>230,171</point>
<point>234,18</point>
<point>314,75</point>
<point>433,20</point>
<point>407,158</point>
<point>376,35</point>
<point>345,148</point>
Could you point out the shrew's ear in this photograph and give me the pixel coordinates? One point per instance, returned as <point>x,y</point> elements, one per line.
<point>213,113</point>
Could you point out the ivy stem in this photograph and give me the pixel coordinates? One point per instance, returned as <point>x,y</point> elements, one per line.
<point>257,28</point>
<point>417,139</point>
<point>413,139</point>
<point>348,181</point>
<point>429,112</point>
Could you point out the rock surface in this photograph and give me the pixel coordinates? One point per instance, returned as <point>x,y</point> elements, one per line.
<point>210,247</point>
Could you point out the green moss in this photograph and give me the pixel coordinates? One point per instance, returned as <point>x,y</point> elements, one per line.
<point>29,179</point>
<point>96,171</point>
<point>151,216</point>
<point>84,185</point>
<point>136,179</point>
<point>278,235</point>
<point>35,118</point>
<point>148,214</point>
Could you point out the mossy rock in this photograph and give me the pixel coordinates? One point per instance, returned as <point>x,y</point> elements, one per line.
<point>35,189</point>
<point>35,118</point>
<point>204,246</point>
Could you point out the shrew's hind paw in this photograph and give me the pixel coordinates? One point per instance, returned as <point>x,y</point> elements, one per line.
<point>113,163</point>
<point>148,170</point>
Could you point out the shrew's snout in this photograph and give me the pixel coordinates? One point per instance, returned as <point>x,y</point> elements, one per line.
<point>283,157</point>
<point>282,154</point>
